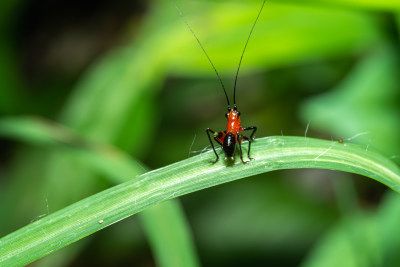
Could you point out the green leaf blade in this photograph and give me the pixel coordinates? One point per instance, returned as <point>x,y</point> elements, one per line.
<point>273,153</point>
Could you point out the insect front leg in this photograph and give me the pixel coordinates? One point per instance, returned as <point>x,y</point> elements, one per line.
<point>250,139</point>
<point>215,134</point>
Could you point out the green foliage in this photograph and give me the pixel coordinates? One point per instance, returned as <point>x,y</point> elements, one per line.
<point>326,66</point>
<point>100,210</point>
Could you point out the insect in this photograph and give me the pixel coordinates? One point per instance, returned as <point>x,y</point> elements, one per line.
<point>232,136</point>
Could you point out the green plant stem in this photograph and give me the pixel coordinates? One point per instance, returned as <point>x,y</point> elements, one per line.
<point>112,205</point>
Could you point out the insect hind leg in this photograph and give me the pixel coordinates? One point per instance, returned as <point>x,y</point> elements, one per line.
<point>250,139</point>
<point>208,131</point>
<point>240,146</point>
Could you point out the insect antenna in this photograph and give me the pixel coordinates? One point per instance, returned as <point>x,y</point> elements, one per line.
<point>216,72</point>
<point>244,49</point>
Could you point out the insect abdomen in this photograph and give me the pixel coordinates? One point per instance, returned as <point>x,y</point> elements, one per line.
<point>229,145</point>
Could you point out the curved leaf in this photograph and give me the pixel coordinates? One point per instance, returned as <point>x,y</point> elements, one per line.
<point>100,210</point>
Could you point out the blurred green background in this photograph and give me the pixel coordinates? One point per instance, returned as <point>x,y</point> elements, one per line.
<point>129,74</point>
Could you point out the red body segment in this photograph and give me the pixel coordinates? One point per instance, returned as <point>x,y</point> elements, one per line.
<point>234,126</point>
<point>219,136</point>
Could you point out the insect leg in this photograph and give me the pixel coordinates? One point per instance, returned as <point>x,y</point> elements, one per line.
<point>240,147</point>
<point>208,130</point>
<point>254,128</point>
<point>250,139</point>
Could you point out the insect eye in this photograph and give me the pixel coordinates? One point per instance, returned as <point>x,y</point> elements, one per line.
<point>226,115</point>
<point>238,113</point>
